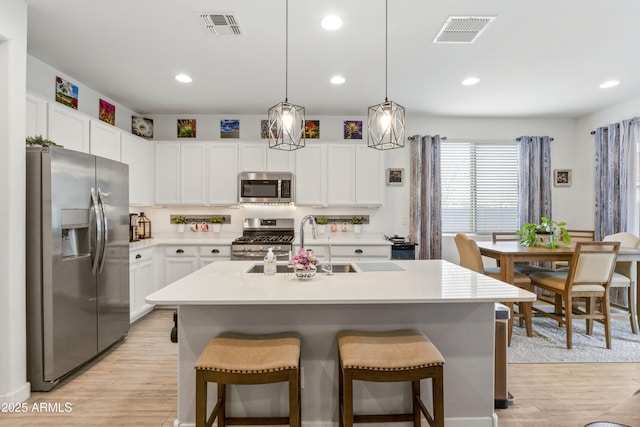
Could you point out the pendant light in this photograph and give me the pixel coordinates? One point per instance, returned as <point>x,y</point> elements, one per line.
<point>385,121</point>
<point>286,120</point>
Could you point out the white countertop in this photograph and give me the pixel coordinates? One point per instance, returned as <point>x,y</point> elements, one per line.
<point>210,238</point>
<point>427,281</point>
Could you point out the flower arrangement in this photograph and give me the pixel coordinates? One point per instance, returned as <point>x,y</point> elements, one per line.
<point>555,231</point>
<point>304,260</point>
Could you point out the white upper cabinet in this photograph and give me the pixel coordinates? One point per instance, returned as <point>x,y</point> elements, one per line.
<point>138,154</point>
<point>369,176</point>
<point>355,175</point>
<point>104,140</point>
<point>193,173</point>
<point>258,157</point>
<point>341,174</point>
<point>222,166</point>
<point>310,176</point>
<point>167,173</point>
<point>36,116</point>
<point>68,127</point>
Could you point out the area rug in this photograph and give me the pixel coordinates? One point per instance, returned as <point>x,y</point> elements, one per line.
<point>548,343</point>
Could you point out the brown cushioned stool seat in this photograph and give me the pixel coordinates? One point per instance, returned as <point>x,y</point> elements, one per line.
<point>233,358</point>
<point>389,356</point>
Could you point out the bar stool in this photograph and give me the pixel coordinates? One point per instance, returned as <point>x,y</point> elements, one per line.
<point>233,358</point>
<point>389,356</point>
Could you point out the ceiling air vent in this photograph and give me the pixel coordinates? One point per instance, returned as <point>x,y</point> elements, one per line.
<point>463,29</point>
<point>220,24</point>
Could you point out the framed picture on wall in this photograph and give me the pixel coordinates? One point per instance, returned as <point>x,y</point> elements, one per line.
<point>395,176</point>
<point>562,177</point>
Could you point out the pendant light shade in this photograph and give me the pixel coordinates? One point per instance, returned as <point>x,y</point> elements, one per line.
<point>286,120</point>
<point>385,121</point>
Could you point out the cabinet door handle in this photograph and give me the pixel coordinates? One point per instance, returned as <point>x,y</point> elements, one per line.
<point>359,251</point>
<point>138,256</point>
<point>180,251</point>
<point>215,251</point>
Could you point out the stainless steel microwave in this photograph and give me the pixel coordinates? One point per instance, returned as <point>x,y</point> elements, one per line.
<point>265,187</point>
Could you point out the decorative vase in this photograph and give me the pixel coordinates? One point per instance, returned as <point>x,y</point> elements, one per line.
<point>181,228</point>
<point>216,228</point>
<point>357,228</point>
<point>302,273</point>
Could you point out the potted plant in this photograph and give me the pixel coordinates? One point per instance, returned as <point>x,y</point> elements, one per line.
<point>357,221</point>
<point>216,223</point>
<point>549,233</point>
<point>181,221</point>
<point>322,224</point>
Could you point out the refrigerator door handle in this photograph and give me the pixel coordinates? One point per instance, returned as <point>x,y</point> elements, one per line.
<point>98,249</point>
<point>105,224</point>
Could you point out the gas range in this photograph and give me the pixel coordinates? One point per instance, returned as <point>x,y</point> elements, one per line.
<point>260,234</point>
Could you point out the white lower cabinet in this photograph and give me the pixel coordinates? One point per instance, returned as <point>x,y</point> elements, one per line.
<point>360,252</point>
<point>212,253</point>
<point>142,282</point>
<point>179,261</point>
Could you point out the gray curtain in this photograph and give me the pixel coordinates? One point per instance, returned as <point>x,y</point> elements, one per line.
<point>425,220</point>
<point>534,179</point>
<point>615,178</point>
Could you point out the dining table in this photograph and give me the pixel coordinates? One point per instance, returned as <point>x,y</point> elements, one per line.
<point>508,253</point>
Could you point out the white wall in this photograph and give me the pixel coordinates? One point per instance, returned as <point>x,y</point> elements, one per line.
<point>13,48</point>
<point>41,80</point>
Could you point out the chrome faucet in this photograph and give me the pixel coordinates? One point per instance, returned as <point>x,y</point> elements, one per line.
<point>328,268</point>
<point>314,229</point>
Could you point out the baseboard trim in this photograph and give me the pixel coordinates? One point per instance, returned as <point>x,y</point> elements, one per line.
<point>19,395</point>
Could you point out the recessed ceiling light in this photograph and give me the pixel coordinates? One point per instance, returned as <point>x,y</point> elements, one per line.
<point>331,23</point>
<point>183,78</point>
<point>337,80</point>
<point>470,81</point>
<point>610,83</point>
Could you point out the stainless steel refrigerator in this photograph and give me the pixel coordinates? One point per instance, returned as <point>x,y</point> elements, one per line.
<point>77,260</point>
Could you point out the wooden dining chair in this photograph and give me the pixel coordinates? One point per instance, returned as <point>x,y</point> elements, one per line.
<point>471,258</point>
<point>576,236</point>
<point>589,277</point>
<point>623,277</point>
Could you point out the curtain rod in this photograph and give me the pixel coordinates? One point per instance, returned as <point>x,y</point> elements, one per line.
<point>518,139</point>
<point>443,138</point>
<point>606,128</point>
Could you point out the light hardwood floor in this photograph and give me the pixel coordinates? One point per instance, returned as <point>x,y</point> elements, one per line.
<point>135,384</point>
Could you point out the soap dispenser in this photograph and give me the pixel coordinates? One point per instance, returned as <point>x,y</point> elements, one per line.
<point>270,263</point>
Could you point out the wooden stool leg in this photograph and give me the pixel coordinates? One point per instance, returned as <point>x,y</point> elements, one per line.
<point>526,307</point>
<point>347,397</point>
<point>438,397</point>
<point>294,401</point>
<point>415,394</point>
<point>222,398</point>
<point>201,399</point>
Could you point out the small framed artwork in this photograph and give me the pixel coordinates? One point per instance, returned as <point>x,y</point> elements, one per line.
<point>142,127</point>
<point>352,129</point>
<point>312,129</point>
<point>66,93</point>
<point>107,112</point>
<point>562,177</point>
<point>395,176</point>
<point>229,128</point>
<point>186,128</point>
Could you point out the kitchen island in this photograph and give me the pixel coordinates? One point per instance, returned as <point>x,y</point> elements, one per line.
<point>453,306</point>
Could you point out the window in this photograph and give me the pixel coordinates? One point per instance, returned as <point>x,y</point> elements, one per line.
<point>479,182</point>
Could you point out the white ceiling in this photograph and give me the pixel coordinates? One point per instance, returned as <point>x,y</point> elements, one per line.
<point>539,58</point>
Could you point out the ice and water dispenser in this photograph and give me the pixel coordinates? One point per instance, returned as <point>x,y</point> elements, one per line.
<point>75,233</point>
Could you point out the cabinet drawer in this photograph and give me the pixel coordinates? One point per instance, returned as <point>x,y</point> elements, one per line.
<point>361,251</point>
<point>215,251</point>
<point>180,251</point>
<point>139,255</point>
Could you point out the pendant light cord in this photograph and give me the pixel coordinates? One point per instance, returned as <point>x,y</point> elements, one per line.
<point>386,48</point>
<point>286,53</point>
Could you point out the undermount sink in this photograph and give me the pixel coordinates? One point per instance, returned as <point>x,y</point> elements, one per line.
<point>283,268</point>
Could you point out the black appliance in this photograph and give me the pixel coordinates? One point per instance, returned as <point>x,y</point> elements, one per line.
<point>402,249</point>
